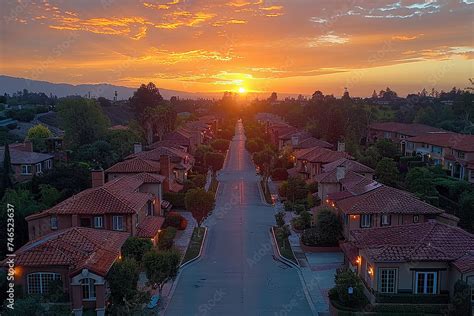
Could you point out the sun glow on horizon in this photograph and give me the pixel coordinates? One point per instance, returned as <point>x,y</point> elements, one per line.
<point>242,90</point>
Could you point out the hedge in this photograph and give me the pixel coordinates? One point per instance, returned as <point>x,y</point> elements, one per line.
<point>177,199</point>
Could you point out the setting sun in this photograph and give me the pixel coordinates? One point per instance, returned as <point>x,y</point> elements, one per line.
<point>242,90</point>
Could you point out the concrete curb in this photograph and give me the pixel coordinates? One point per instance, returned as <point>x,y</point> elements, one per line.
<point>200,250</point>
<point>291,264</point>
<point>262,196</point>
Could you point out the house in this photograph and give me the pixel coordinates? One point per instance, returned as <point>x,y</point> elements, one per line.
<point>162,168</point>
<point>418,262</point>
<point>77,257</point>
<point>126,204</point>
<point>397,132</point>
<point>342,174</point>
<point>309,161</point>
<point>372,205</point>
<point>25,162</point>
<point>181,161</point>
<point>452,151</point>
<point>309,142</point>
<point>183,138</point>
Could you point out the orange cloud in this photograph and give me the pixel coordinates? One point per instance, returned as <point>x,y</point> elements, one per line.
<point>405,37</point>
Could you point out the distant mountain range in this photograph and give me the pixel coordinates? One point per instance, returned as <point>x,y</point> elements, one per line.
<point>11,85</point>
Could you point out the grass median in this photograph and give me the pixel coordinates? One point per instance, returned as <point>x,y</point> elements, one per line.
<point>284,245</point>
<point>194,246</point>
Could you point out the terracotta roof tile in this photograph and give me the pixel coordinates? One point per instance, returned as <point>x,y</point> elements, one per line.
<point>76,247</point>
<point>135,165</point>
<point>405,128</point>
<point>349,164</point>
<point>385,199</point>
<point>320,155</point>
<point>429,241</point>
<point>149,227</point>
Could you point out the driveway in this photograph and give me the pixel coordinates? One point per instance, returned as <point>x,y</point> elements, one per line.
<point>237,274</point>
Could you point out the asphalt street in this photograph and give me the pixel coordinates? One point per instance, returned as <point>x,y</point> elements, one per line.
<point>237,274</point>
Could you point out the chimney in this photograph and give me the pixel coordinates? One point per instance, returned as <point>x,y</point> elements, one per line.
<point>137,148</point>
<point>98,178</point>
<point>28,146</point>
<point>340,173</point>
<point>165,170</point>
<point>341,146</point>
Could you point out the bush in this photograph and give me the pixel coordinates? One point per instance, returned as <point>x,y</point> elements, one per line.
<point>177,199</point>
<point>343,280</point>
<point>461,299</point>
<point>24,115</point>
<point>279,174</point>
<point>135,248</point>
<point>327,231</point>
<point>220,144</point>
<point>299,208</point>
<point>282,189</point>
<point>199,180</point>
<point>303,221</point>
<point>165,238</point>
<point>280,219</point>
<point>176,220</point>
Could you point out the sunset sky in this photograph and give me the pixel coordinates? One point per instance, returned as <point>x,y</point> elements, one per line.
<point>293,46</point>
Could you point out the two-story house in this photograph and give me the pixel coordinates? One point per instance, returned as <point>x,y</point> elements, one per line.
<point>415,263</point>
<point>127,204</point>
<point>397,132</point>
<point>181,161</point>
<point>25,162</point>
<point>78,259</point>
<point>376,205</point>
<point>309,161</point>
<point>452,151</point>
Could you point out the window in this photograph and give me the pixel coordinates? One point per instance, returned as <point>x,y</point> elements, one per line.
<point>385,220</point>
<point>88,289</point>
<point>436,149</point>
<point>387,135</point>
<point>98,222</point>
<point>416,218</point>
<point>25,169</point>
<point>410,145</point>
<point>38,282</point>
<point>54,222</point>
<point>365,220</point>
<point>117,223</point>
<point>426,282</point>
<point>388,278</point>
<point>461,154</point>
<point>39,168</point>
<point>49,164</point>
<point>149,211</point>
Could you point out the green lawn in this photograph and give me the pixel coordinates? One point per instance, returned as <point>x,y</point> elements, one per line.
<point>284,246</point>
<point>194,244</point>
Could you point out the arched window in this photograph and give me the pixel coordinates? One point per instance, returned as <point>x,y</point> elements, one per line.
<point>88,289</point>
<point>38,282</point>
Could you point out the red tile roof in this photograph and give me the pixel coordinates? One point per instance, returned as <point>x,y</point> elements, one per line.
<point>119,196</point>
<point>150,226</point>
<point>460,142</point>
<point>176,155</point>
<point>77,247</point>
<point>404,128</point>
<point>465,263</point>
<point>429,241</point>
<point>349,164</point>
<point>165,143</point>
<point>313,142</point>
<point>320,155</point>
<point>384,199</point>
<point>135,165</point>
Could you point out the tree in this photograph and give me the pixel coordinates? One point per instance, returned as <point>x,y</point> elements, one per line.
<point>38,135</point>
<point>121,142</point>
<point>104,102</point>
<point>345,279</point>
<point>420,181</point>
<point>466,211</point>
<point>159,120</point>
<point>327,231</point>
<point>82,120</point>
<point>280,219</point>
<point>135,248</point>
<point>199,203</point>
<point>122,279</point>
<point>161,267</point>
<point>97,154</point>
<point>49,195</point>
<point>296,189</point>
<point>214,160</point>
<point>387,148</point>
<point>265,160</point>
<point>145,97</point>
<point>461,299</point>
<point>387,171</point>
<point>7,171</point>
<point>220,144</point>
<point>201,152</point>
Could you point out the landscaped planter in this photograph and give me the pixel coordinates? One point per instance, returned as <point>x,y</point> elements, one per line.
<point>319,249</point>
